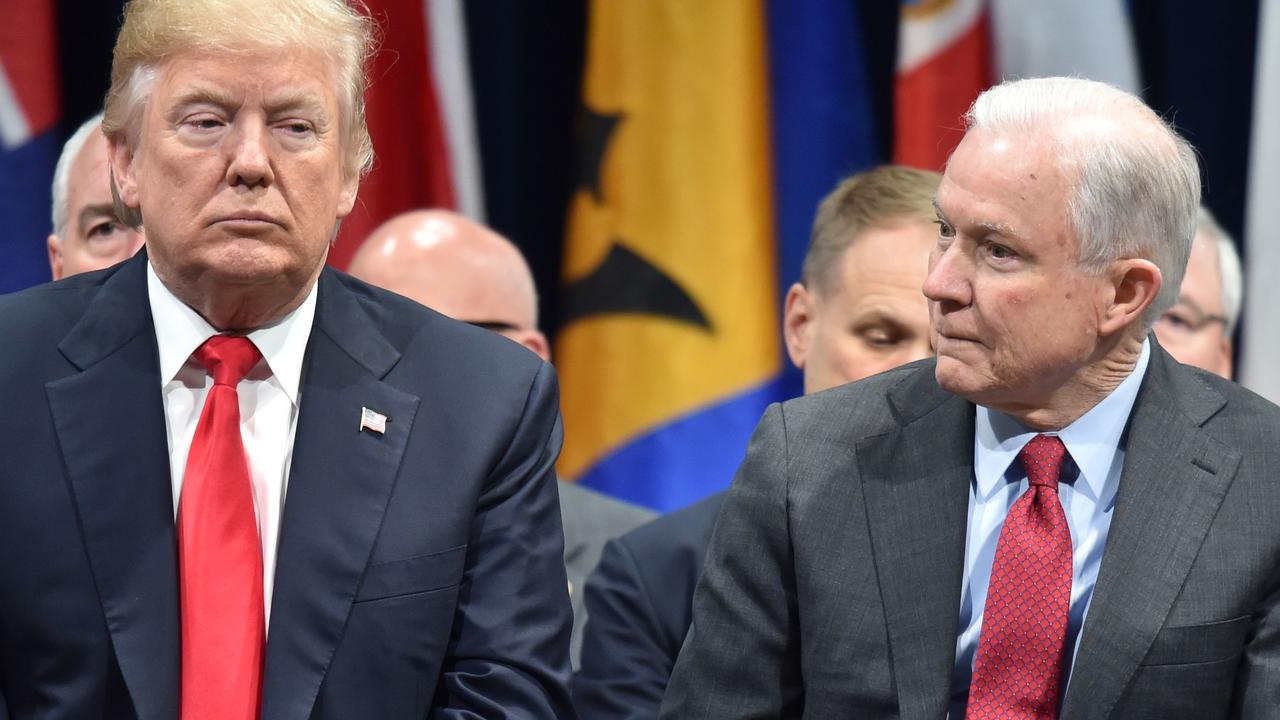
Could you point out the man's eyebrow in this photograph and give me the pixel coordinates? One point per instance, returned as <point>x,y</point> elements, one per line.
<point>93,211</point>
<point>294,101</point>
<point>991,228</point>
<point>1184,300</point>
<point>995,228</point>
<point>880,315</point>
<point>205,94</point>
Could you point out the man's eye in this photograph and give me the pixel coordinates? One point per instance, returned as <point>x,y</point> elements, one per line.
<point>1175,320</point>
<point>1000,252</point>
<point>879,337</point>
<point>944,229</point>
<point>204,123</point>
<point>104,229</point>
<point>297,128</point>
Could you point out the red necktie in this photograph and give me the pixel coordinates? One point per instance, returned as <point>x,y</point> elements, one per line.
<point>219,554</point>
<point>1024,626</point>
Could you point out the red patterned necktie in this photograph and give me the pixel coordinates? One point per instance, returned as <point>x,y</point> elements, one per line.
<point>1024,626</point>
<point>219,553</point>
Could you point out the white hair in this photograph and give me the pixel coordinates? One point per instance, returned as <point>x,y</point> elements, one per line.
<point>1229,271</point>
<point>62,174</point>
<point>1136,182</point>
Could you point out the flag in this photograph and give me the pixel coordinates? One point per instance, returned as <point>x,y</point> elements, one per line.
<point>944,62</point>
<point>1261,338</point>
<point>671,341</point>
<point>823,121</point>
<point>421,118</point>
<point>29,139</point>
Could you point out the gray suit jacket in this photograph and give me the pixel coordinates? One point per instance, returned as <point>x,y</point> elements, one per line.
<point>833,581</point>
<point>590,520</point>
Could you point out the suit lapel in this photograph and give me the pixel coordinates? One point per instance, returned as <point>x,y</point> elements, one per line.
<point>917,511</point>
<point>1175,477</point>
<point>109,419</point>
<point>339,484</point>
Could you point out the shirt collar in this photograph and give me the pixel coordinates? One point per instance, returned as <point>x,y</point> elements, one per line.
<point>1092,440</point>
<point>180,330</point>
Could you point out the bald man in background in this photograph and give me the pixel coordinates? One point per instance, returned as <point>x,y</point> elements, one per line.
<point>1198,329</point>
<point>86,235</point>
<point>470,273</point>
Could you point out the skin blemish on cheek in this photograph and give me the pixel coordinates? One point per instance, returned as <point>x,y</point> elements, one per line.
<point>1033,176</point>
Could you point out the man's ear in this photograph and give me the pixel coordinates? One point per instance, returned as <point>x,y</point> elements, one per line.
<point>797,322</point>
<point>347,195</point>
<point>1226,357</point>
<point>535,341</point>
<point>1134,284</point>
<point>124,183</point>
<point>55,256</point>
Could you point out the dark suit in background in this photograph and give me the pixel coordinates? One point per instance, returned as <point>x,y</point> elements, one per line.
<point>590,520</point>
<point>833,582</point>
<point>418,571</point>
<point>639,603</point>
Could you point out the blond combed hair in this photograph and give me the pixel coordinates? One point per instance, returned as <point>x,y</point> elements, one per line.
<point>154,30</point>
<point>883,197</point>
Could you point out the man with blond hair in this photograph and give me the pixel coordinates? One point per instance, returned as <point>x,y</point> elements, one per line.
<point>86,235</point>
<point>856,311</point>
<point>243,485</point>
<point>1053,518</point>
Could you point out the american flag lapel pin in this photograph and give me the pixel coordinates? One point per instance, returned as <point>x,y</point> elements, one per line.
<point>373,421</point>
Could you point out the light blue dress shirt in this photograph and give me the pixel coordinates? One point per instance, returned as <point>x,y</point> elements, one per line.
<point>1086,488</point>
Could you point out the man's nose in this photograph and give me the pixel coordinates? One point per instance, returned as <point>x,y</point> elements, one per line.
<point>250,156</point>
<point>948,279</point>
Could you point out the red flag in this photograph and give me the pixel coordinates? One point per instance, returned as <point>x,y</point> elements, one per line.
<point>29,103</point>
<point>944,62</point>
<point>420,118</point>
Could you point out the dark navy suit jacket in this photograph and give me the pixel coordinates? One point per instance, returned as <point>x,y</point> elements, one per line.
<point>639,605</point>
<point>419,572</point>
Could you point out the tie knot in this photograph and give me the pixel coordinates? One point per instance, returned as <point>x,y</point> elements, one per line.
<point>1042,459</point>
<point>228,358</point>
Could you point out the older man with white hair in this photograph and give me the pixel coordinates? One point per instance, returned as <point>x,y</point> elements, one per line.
<point>86,235</point>
<point>1053,519</point>
<point>243,485</point>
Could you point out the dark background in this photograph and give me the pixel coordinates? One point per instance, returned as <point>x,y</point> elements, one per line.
<point>1197,69</point>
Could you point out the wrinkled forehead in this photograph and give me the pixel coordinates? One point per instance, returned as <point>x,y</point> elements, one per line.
<point>233,78</point>
<point>1011,183</point>
<point>90,164</point>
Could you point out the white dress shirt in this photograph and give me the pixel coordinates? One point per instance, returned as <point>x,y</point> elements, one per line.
<point>268,403</point>
<point>1086,488</point>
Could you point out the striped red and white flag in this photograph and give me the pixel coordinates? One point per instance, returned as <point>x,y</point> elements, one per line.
<point>944,61</point>
<point>421,117</point>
